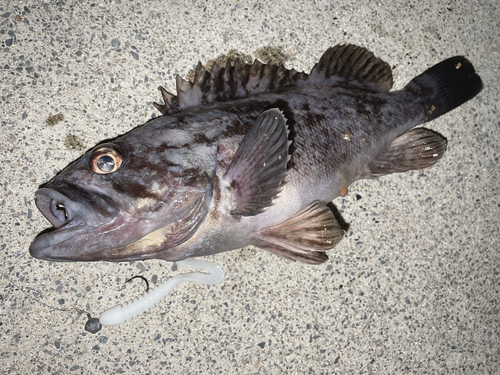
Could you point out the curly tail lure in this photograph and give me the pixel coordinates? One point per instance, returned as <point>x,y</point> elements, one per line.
<point>139,305</point>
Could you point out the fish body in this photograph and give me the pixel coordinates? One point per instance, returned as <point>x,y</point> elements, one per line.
<point>248,155</point>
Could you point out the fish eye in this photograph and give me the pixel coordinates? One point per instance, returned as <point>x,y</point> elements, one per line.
<point>105,160</point>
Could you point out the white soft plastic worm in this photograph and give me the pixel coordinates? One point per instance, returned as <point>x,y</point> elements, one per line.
<point>139,305</point>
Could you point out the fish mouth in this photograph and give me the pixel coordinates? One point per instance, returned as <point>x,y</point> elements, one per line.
<point>59,209</point>
<point>69,217</point>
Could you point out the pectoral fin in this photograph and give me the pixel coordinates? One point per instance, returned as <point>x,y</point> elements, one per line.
<point>304,237</point>
<point>259,165</point>
<point>416,149</point>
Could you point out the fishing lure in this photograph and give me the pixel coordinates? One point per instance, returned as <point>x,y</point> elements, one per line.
<point>129,310</point>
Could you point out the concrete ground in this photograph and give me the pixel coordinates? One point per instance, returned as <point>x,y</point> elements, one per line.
<point>414,286</point>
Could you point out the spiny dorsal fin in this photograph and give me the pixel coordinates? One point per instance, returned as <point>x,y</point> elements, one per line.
<point>351,65</point>
<point>340,66</point>
<point>259,164</point>
<point>234,81</point>
<point>171,103</point>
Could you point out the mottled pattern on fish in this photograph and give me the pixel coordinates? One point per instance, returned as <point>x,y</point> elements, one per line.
<point>249,155</point>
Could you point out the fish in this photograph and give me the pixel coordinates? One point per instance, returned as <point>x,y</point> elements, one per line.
<point>249,155</point>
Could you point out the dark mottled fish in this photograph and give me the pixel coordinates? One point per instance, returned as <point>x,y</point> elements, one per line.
<point>249,155</point>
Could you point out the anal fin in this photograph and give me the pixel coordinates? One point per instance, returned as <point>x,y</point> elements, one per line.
<point>304,237</point>
<point>416,149</point>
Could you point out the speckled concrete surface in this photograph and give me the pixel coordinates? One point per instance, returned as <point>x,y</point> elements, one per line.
<point>413,288</point>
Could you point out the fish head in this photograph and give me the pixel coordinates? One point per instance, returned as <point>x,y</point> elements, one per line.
<point>125,199</point>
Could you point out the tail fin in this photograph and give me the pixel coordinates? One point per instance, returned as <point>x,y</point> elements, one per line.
<point>446,85</point>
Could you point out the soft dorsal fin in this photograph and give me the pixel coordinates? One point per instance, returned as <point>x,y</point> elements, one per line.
<point>305,236</point>
<point>416,149</point>
<point>259,164</point>
<point>340,66</point>
<point>351,65</point>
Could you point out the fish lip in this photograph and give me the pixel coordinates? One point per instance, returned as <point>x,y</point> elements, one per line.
<point>58,209</point>
<point>42,246</point>
<point>69,218</point>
